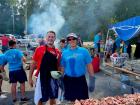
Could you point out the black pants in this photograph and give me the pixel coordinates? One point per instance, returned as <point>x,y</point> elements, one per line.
<point>98,45</point>
<point>75,88</point>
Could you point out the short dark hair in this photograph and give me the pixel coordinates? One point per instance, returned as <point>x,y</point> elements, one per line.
<point>12,42</point>
<point>92,49</point>
<point>51,32</point>
<point>63,40</point>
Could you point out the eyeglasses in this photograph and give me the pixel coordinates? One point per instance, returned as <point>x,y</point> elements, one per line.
<point>69,39</point>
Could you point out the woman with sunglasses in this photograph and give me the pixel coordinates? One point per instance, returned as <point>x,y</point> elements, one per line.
<point>75,61</point>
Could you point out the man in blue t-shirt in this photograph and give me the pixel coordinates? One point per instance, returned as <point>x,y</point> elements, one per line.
<point>63,44</point>
<point>15,59</point>
<point>97,40</point>
<point>116,45</point>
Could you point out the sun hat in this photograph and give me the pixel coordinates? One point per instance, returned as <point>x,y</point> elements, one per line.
<point>72,35</point>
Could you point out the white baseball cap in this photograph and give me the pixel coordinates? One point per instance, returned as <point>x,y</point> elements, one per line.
<point>72,35</point>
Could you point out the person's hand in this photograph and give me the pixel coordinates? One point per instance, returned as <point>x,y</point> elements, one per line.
<point>31,82</point>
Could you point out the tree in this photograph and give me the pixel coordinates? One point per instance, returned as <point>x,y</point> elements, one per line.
<point>13,15</point>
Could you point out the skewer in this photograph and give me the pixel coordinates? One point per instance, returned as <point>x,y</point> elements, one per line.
<point>122,69</point>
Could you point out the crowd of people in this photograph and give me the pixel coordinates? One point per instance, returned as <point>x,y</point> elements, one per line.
<point>46,58</point>
<point>71,61</point>
<point>115,45</point>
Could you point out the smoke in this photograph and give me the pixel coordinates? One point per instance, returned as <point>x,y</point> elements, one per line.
<point>87,16</point>
<point>47,17</point>
<point>64,16</point>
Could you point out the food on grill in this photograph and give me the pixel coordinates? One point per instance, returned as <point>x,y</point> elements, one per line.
<point>127,99</point>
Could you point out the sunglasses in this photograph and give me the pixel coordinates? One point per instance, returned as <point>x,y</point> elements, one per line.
<point>69,39</point>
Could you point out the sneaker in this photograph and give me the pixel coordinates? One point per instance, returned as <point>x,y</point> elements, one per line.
<point>24,99</point>
<point>2,96</point>
<point>58,102</point>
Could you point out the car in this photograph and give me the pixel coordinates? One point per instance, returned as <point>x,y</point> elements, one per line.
<point>10,36</point>
<point>0,45</point>
<point>0,42</point>
<point>33,43</point>
<point>23,40</point>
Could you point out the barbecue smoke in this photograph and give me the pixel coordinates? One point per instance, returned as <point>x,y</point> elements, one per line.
<point>46,17</point>
<point>64,16</point>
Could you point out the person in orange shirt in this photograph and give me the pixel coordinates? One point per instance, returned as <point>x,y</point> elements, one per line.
<point>46,58</point>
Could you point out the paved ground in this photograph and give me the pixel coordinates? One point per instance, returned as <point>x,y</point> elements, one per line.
<point>105,86</point>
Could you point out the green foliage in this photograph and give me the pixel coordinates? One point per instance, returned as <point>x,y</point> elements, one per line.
<point>83,17</point>
<point>8,8</point>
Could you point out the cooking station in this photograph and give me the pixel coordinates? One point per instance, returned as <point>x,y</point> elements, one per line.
<point>128,74</point>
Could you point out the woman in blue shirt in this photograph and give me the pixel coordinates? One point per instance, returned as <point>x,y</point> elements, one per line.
<point>75,61</point>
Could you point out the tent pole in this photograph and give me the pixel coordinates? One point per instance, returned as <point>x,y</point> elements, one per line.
<point>105,47</point>
<point>106,38</point>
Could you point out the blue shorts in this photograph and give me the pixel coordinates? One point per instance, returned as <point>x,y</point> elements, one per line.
<point>49,89</point>
<point>17,76</point>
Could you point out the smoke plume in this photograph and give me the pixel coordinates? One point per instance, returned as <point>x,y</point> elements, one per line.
<point>64,16</point>
<point>47,17</point>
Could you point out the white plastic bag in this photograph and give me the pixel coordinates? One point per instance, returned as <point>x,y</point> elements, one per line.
<point>4,76</point>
